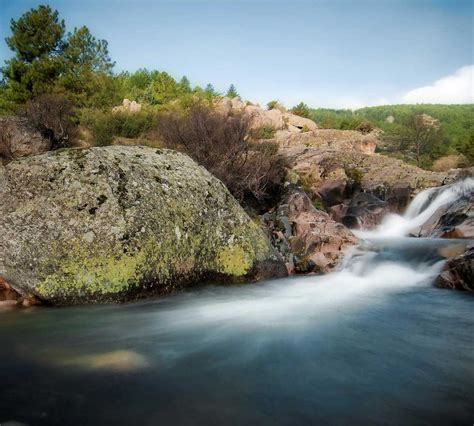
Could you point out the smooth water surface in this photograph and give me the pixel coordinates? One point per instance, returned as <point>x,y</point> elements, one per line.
<point>378,346</point>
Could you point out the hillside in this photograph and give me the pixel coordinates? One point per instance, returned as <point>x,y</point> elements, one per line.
<point>456,123</point>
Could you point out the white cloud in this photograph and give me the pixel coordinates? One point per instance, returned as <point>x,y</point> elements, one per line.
<point>457,88</point>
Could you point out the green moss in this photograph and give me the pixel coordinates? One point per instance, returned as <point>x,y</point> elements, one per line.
<point>233,260</point>
<point>83,274</point>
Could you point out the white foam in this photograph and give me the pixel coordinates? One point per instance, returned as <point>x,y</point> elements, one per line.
<point>423,206</point>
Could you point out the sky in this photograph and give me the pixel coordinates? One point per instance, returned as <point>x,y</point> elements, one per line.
<point>327,53</point>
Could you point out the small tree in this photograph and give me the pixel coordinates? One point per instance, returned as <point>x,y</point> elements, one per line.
<point>184,85</point>
<point>85,64</point>
<point>54,117</point>
<point>272,105</point>
<point>418,137</point>
<point>36,40</point>
<point>211,91</point>
<point>232,92</point>
<point>302,110</point>
<point>221,145</point>
<point>164,88</point>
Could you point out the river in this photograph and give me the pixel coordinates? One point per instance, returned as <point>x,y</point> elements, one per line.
<point>372,343</point>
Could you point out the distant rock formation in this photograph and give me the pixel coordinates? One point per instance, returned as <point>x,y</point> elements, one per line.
<point>276,117</point>
<point>128,106</point>
<point>347,140</point>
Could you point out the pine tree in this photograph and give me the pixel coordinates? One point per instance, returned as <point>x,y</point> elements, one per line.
<point>232,92</point>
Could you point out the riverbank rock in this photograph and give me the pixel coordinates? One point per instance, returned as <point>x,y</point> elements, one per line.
<point>19,139</point>
<point>308,239</point>
<point>118,223</point>
<point>357,188</point>
<point>458,273</point>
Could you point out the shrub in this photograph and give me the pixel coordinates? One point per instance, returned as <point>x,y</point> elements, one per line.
<point>354,175</point>
<point>220,144</point>
<point>450,162</point>
<point>5,142</point>
<point>275,105</point>
<point>302,110</point>
<point>365,127</point>
<point>105,126</point>
<point>267,131</point>
<point>305,129</point>
<point>272,105</point>
<point>53,115</point>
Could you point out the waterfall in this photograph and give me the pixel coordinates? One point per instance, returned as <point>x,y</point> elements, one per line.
<point>422,207</point>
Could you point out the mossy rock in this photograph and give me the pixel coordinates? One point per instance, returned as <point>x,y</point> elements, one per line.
<point>118,223</point>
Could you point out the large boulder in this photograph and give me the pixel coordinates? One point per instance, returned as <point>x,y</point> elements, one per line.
<point>301,123</point>
<point>20,139</point>
<point>308,239</point>
<point>118,223</point>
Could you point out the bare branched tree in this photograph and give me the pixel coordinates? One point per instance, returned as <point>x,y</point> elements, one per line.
<point>53,115</point>
<point>6,154</point>
<point>221,144</point>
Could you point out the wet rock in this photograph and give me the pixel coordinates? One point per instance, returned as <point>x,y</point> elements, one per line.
<point>458,273</point>
<point>308,239</point>
<point>354,185</point>
<point>363,211</point>
<point>119,223</point>
<point>8,296</point>
<point>454,219</point>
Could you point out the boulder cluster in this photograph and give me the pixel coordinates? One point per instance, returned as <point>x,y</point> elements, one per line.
<point>277,118</point>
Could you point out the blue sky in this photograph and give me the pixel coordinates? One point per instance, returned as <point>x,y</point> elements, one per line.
<point>337,53</point>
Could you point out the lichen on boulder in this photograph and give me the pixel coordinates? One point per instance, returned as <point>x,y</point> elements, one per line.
<point>118,223</point>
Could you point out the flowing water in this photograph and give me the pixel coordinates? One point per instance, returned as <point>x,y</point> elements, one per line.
<point>373,343</point>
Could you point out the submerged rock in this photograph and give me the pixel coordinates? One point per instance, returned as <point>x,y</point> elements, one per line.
<point>309,240</point>
<point>119,361</point>
<point>118,223</point>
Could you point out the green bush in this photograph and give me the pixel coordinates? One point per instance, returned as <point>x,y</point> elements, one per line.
<point>105,126</point>
<point>266,131</point>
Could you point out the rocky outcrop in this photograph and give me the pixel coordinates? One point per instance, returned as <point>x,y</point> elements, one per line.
<point>128,106</point>
<point>118,223</point>
<point>357,188</point>
<point>328,139</point>
<point>276,118</point>
<point>458,273</point>
<point>308,239</point>
<point>19,139</point>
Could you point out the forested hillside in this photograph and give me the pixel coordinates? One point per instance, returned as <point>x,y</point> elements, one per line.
<point>455,134</point>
